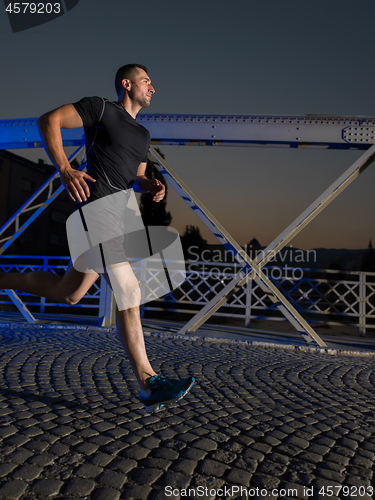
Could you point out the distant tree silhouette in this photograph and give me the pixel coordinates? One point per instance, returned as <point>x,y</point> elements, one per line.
<point>368,259</point>
<point>193,243</point>
<point>253,248</point>
<point>154,214</point>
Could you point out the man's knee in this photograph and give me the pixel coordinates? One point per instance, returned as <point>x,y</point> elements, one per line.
<point>70,300</point>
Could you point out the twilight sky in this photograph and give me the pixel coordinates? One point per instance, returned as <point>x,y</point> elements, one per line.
<point>213,56</point>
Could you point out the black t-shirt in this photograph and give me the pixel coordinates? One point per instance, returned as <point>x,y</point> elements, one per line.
<point>115,145</point>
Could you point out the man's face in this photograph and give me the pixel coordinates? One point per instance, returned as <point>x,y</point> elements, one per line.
<point>141,89</point>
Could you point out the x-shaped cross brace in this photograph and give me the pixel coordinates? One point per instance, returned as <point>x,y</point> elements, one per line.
<point>252,269</point>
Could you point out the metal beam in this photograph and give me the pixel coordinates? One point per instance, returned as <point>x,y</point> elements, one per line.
<point>300,131</point>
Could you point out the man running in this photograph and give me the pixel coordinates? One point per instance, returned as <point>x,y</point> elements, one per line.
<point>116,149</point>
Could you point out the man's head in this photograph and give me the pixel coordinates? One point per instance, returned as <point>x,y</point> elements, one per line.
<point>133,84</point>
<point>129,72</point>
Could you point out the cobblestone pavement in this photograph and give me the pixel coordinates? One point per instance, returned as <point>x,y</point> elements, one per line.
<point>280,423</point>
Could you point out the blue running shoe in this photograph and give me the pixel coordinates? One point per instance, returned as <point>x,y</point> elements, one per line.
<point>165,391</point>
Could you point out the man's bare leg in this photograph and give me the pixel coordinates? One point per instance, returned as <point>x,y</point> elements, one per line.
<point>128,320</point>
<point>68,289</point>
<point>129,329</point>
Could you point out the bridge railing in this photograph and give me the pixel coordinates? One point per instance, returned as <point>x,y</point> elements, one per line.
<point>321,296</point>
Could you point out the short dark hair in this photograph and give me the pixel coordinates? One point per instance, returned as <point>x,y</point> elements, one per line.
<point>126,71</point>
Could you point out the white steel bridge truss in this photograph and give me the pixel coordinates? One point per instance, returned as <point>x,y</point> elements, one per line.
<point>305,131</point>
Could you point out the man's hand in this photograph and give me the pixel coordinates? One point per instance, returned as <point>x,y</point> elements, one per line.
<point>153,186</point>
<point>157,189</point>
<point>75,184</point>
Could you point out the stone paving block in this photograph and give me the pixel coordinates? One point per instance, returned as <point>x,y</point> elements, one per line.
<point>360,483</point>
<point>185,466</point>
<point>78,487</point>
<point>8,430</point>
<point>194,454</point>
<point>176,480</point>
<point>99,440</point>
<point>331,475</point>
<point>27,472</point>
<point>148,475</point>
<point>363,462</point>
<point>300,477</point>
<point>36,445</point>
<point>144,432</point>
<point>272,441</point>
<point>87,433</point>
<point>113,479</point>
<point>165,434</point>
<point>234,447</point>
<point>272,469</point>
<point>20,456</point>
<point>88,471</point>
<point>157,463</point>
<point>136,452</point>
<point>311,457</point>
<point>103,426</point>
<point>224,456</point>
<point>117,433</point>
<point>42,459</point>
<point>175,445</point>
<point>131,439</point>
<point>106,494</point>
<point>115,447</point>
<point>13,490</point>
<point>336,458</point>
<point>369,446</point>
<point>289,449</point>
<point>5,469</point>
<point>298,442</point>
<point>123,464</point>
<point>238,477</point>
<point>136,492</point>
<point>46,487</point>
<point>86,448</point>
<point>213,468</point>
<point>50,438</point>
<point>253,454</point>
<point>360,472</point>
<point>265,482</point>
<point>101,459</point>
<point>188,437</point>
<point>219,437</point>
<point>151,442</point>
<point>169,454</point>
<point>58,449</point>
<point>366,454</point>
<point>16,440</point>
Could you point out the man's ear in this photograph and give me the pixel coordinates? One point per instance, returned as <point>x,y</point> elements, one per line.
<point>126,83</point>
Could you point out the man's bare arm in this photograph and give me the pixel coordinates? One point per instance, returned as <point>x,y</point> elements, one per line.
<point>153,186</point>
<point>50,125</point>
